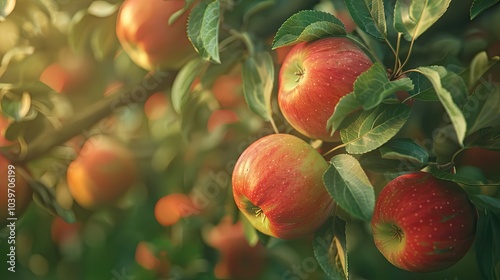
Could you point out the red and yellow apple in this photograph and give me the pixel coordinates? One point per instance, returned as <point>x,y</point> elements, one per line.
<point>103,171</point>
<point>148,259</point>
<point>423,224</point>
<point>156,106</point>
<point>238,260</point>
<point>220,118</point>
<point>64,233</point>
<point>278,186</point>
<point>313,78</point>
<point>145,35</point>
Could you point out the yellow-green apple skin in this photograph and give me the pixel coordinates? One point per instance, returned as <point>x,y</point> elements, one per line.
<point>278,185</point>
<point>145,35</point>
<point>423,224</point>
<point>313,78</point>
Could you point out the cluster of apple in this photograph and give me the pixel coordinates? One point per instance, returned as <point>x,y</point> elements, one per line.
<point>419,223</point>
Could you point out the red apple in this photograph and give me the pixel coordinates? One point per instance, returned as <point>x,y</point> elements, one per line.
<point>278,185</point>
<point>63,233</point>
<point>145,35</point>
<point>220,118</point>
<point>156,106</point>
<point>238,260</point>
<point>4,124</point>
<point>228,89</point>
<point>486,160</point>
<point>423,224</point>
<point>103,171</point>
<point>313,78</point>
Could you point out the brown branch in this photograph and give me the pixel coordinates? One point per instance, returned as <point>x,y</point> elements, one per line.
<point>91,115</point>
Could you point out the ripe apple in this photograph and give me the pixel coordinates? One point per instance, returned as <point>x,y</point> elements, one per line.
<point>148,259</point>
<point>278,185</point>
<point>313,78</point>
<point>238,260</point>
<point>220,118</point>
<point>171,208</point>
<point>228,89</point>
<point>64,233</point>
<point>145,35</point>
<point>156,106</point>
<point>423,224</point>
<point>103,171</point>
<point>486,160</point>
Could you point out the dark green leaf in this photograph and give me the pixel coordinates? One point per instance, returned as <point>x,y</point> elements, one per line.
<point>368,130</point>
<point>349,186</point>
<point>258,81</point>
<point>412,18</point>
<point>485,202</point>
<point>203,30</point>
<point>396,156</point>
<point>46,198</point>
<point>369,16</point>
<point>459,178</point>
<point>479,6</point>
<point>482,107</point>
<point>373,86</point>
<point>488,244</point>
<point>329,246</point>
<point>435,75</point>
<point>347,104</point>
<point>487,137</point>
<point>181,88</point>
<point>307,26</point>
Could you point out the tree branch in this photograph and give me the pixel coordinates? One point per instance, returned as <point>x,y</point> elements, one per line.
<point>91,115</point>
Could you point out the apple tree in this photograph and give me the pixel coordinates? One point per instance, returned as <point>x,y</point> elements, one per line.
<point>250,139</point>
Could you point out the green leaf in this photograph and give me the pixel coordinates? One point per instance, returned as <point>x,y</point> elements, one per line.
<point>479,65</point>
<point>396,156</point>
<point>422,88</point>
<point>203,30</point>
<point>459,178</point>
<point>412,18</point>
<point>373,86</point>
<point>483,107</point>
<point>479,6</point>
<point>349,186</point>
<point>258,81</point>
<point>435,74</point>
<point>181,87</point>
<point>250,232</point>
<point>488,138</point>
<point>329,247</point>
<point>487,203</point>
<point>6,7</point>
<point>488,243</point>
<point>347,104</point>
<point>307,26</point>
<point>369,16</point>
<point>368,130</point>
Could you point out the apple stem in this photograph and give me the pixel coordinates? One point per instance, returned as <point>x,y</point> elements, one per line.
<point>259,213</point>
<point>300,72</point>
<point>397,232</point>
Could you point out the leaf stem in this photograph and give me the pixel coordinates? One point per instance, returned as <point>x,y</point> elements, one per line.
<point>335,148</point>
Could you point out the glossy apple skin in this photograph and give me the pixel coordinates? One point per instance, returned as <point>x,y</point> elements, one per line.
<point>283,176</point>
<point>313,78</point>
<point>435,220</point>
<point>145,35</point>
<point>103,171</point>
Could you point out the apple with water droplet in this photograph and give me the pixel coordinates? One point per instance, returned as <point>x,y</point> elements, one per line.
<point>313,78</point>
<point>278,185</point>
<point>423,224</point>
